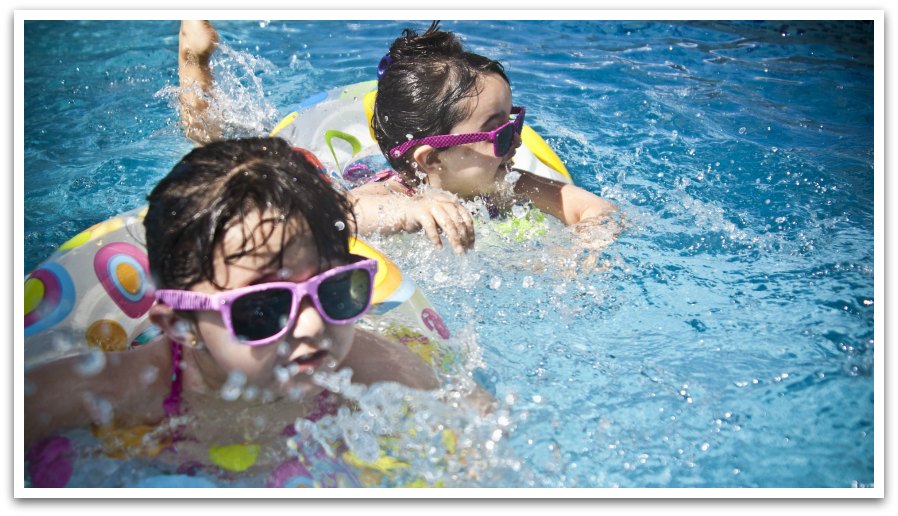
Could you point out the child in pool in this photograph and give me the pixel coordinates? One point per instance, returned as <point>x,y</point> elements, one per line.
<point>250,222</point>
<point>428,88</point>
<point>444,117</point>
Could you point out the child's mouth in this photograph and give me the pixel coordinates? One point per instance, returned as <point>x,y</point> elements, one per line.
<point>309,362</point>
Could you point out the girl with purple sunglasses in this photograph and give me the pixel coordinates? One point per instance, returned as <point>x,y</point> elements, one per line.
<point>248,247</point>
<point>444,120</point>
<point>444,117</point>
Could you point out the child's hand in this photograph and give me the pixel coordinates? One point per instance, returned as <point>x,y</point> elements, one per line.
<point>440,212</point>
<point>596,232</point>
<point>197,40</point>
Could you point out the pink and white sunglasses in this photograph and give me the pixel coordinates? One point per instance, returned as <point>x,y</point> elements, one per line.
<point>261,314</point>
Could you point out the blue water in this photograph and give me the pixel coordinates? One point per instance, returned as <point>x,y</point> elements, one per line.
<point>725,339</point>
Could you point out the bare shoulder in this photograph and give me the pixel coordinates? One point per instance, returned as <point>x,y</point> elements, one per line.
<point>375,359</point>
<point>65,393</point>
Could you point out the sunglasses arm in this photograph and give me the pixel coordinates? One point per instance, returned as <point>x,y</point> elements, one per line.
<point>186,300</point>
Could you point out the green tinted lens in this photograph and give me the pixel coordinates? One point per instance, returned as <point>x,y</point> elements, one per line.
<point>504,139</point>
<point>345,295</point>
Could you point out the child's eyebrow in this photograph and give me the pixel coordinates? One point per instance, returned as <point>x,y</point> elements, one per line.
<point>494,121</point>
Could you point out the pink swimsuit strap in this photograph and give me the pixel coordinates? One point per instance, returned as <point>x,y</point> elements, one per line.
<point>388,174</point>
<point>172,403</point>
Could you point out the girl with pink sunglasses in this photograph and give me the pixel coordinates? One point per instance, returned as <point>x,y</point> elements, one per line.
<point>248,248</point>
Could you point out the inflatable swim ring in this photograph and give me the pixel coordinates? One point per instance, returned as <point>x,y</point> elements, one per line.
<point>95,291</point>
<point>336,126</point>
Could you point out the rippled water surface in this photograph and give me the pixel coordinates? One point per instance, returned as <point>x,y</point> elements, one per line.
<point>725,339</point>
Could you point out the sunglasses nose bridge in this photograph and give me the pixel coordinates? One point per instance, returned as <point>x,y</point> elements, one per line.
<point>305,293</point>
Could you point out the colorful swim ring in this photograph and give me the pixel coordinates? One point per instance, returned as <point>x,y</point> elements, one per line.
<point>95,292</point>
<point>336,126</point>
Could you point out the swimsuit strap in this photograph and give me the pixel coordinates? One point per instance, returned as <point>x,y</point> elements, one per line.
<point>409,191</point>
<point>172,403</point>
<point>387,174</point>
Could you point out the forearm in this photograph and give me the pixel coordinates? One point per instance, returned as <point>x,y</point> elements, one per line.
<point>378,209</point>
<point>583,205</point>
<point>566,202</point>
<point>196,42</point>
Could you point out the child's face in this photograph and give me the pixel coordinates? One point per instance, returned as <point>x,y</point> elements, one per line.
<point>473,169</point>
<point>311,345</point>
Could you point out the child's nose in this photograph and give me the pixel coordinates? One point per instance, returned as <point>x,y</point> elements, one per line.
<point>309,323</point>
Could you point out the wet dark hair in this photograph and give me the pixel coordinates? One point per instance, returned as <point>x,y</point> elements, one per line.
<point>421,91</point>
<point>219,184</point>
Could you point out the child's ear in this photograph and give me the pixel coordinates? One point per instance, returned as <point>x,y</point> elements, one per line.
<point>174,326</point>
<point>428,159</point>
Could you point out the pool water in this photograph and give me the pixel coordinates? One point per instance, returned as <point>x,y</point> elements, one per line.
<point>724,339</point>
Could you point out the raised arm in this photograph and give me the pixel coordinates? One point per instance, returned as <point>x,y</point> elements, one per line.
<point>197,40</point>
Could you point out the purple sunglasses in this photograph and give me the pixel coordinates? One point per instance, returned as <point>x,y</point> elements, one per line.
<point>502,137</point>
<point>261,314</point>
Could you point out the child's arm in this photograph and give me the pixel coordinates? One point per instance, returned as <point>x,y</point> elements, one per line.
<point>129,390</point>
<point>589,216</point>
<point>375,359</point>
<point>197,40</point>
<point>570,204</point>
<point>379,209</point>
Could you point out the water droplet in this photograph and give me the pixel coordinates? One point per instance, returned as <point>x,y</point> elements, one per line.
<point>233,386</point>
<point>409,136</point>
<point>99,409</point>
<point>511,176</point>
<point>281,374</point>
<point>340,225</point>
<point>149,375</point>
<point>92,363</point>
<point>742,130</point>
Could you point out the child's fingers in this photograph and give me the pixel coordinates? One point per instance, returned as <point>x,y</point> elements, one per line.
<point>467,223</point>
<point>459,222</point>
<point>445,219</point>
<point>430,229</point>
